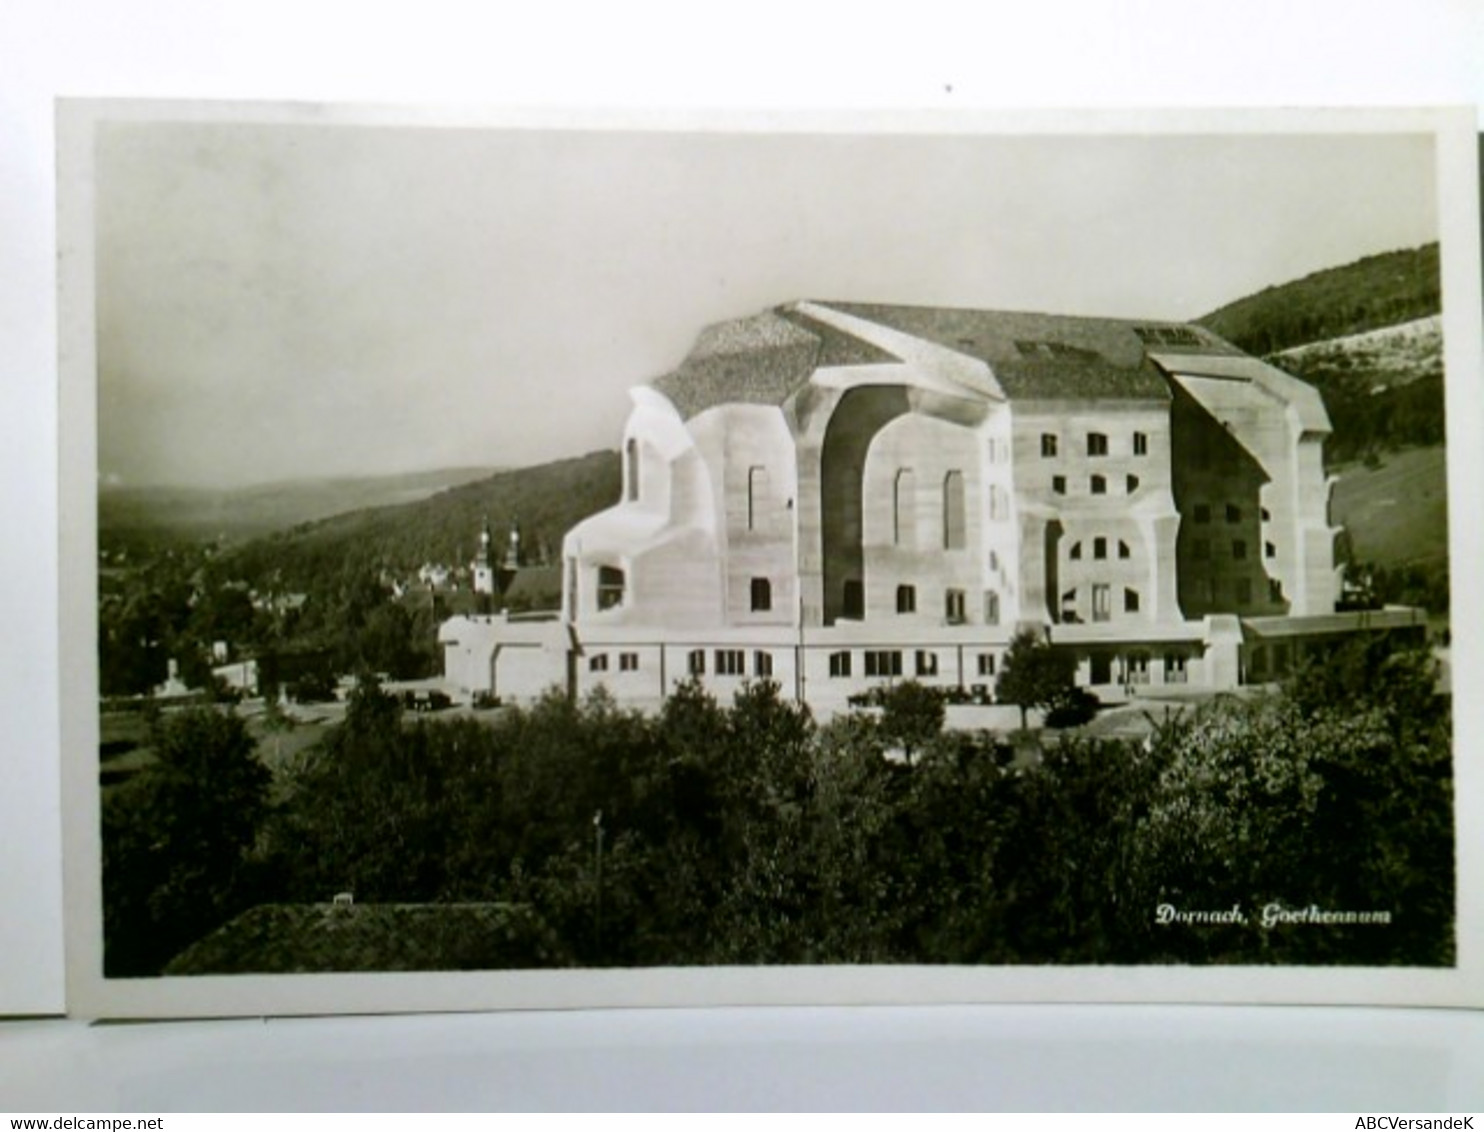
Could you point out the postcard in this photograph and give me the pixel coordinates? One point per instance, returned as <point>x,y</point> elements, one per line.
<point>571,559</point>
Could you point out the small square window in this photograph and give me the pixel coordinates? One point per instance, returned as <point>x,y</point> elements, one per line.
<point>1097,444</point>
<point>598,663</point>
<point>839,664</point>
<point>628,662</point>
<point>1099,485</point>
<point>1059,485</point>
<point>927,662</point>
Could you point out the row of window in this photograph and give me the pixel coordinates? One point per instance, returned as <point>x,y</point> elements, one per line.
<point>1102,602</point>
<point>1096,485</point>
<point>887,663</point>
<point>1200,549</point>
<point>1202,513</point>
<point>955,604</point>
<point>733,662</point>
<point>1099,549</point>
<point>1097,444</point>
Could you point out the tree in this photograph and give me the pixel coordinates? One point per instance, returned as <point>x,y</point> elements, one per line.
<point>912,715</point>
<point>176,840</point>
<point>1034,674</point>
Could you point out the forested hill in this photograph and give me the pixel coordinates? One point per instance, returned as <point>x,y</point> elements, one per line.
<point>547,500</point>
<point>1380,290</point>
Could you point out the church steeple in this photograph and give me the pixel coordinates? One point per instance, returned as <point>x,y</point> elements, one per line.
<point>512,551</point>
<point>484,569</point>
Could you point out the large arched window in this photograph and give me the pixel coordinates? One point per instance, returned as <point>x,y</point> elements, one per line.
<point>953,511</point>
<point>903,514</point>
<point>631,469</point>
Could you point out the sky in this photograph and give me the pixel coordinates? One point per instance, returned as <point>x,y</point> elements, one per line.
<point>278,301</point>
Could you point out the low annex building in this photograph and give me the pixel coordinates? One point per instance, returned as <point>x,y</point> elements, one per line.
<point>835,495</point>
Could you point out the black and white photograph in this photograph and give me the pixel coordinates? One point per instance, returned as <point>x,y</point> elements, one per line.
<point>551,561</point>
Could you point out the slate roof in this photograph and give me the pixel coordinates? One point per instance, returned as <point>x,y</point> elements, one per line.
<point>322,938</point>
<point>765,358</point>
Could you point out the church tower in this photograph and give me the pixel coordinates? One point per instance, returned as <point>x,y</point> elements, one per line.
<point>484,568</point>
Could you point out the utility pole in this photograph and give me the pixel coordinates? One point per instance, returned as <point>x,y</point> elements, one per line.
<point>598,875</point>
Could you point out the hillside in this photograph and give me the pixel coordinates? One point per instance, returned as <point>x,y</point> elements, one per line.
<point>257,510</point>
<point>1380,290</point>
<point>547,500</point>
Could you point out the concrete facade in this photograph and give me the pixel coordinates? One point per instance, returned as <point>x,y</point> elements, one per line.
<point>835,495</point>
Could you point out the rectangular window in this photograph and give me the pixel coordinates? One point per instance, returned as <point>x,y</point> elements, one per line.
<point>1048,444</point>
<point>762,664</point>
<point>991,607</point>
<point>1059,485</point>
<point>1123,551</point>
<point>839,664</point>
<point>598,662</point>
<point>757,494</point>
<point>1269,550</point>
<point>610,587</point>
<point>1133,484</point>
<point>1130,601</point>
<point>628,662</point>
<point>762,595</point>
<point>953,511</point>
<point>986,664</point>
<point>730,662</point>
<point>1099,485</point>
<point>1100,547</point>
<point>1141,444</point>
<point>1097,444</point>
<point>1275,590</point>
<point>1102,602</point>
<point>695,662</point>
<point>1138,667</point>
<point>906,599</point>
<point>884,662</point>
<point>1174,668</point>
<point>953,607</point>
<point>855,598</point>
<point>1233,513</point>
<point>927,662</point>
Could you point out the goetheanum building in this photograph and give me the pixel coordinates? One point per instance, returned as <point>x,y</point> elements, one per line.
<point>835,495</point>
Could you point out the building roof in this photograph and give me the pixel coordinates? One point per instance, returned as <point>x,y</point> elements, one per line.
<point>756,360</point>
<point>322,938</point>
<point>765,358</point>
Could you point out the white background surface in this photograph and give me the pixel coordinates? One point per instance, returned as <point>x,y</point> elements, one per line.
<point>1273,52</point>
